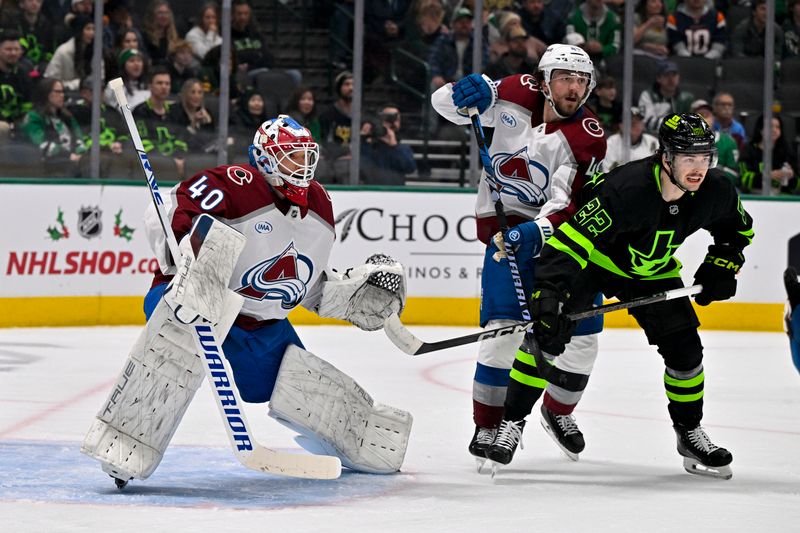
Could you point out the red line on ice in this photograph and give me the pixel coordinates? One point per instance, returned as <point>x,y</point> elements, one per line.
<point>56,407</point>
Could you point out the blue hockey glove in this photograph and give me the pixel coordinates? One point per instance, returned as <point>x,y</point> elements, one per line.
<point>526,239</point>
<point>717,274</point>
<point>474,90</point>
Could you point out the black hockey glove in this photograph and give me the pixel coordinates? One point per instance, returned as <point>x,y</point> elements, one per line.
<point>717,274</point>
<point>553,329</point>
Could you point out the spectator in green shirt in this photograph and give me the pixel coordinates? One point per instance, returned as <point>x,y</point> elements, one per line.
<point>727,149</point>
<point>598,27</point>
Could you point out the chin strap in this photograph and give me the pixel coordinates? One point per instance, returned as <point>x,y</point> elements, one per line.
<point>671,176</point>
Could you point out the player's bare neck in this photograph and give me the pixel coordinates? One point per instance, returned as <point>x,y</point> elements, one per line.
<point>669,191</point>
<point>549,115</point>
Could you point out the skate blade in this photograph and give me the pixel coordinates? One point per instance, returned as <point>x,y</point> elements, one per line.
<point>569,455</point>
<point>479,462</point>
<point>495,468</point>
<point>699,469</point>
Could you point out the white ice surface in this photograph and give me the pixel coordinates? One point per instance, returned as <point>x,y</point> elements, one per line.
<point>629,478</point>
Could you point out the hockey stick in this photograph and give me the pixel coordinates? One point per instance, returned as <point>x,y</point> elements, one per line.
<point>495,188</point>
<point>249,452</point>
<point>408,343</point>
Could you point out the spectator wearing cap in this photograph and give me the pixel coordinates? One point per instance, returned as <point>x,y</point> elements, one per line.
<point>334,123</point>
<point>599,28</point>
<point>747,39</point>
<point>723,106</point>
<point>515,60</point>
<point>133,69</point>
<point>451,54</point>
<point>665,96</point>
<point>205,34</point>
<point>15,98</point>
<point>642,143</point>
<point>72,60</point>
<point>697,29</point>
<point>182,65</point>
<point>384,159</point>
<point>543,22</point>
<point>38,35</point>
<point>605,105</point>
<point>727,149</point>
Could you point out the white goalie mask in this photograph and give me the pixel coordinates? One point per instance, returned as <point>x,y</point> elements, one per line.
<point>569,58</point>
<point>286,155</point>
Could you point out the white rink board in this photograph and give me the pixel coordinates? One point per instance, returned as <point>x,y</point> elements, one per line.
<point>432,234</point>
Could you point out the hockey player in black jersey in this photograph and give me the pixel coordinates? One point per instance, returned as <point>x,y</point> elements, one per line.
<point>622,243</point>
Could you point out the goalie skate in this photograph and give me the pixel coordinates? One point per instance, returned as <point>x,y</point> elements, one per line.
<point>701,456</point>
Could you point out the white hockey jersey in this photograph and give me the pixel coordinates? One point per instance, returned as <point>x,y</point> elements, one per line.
<point>287,248</point>
<point>541,167</point>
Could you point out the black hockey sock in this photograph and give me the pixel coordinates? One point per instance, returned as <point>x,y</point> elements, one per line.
<point>524,388</point>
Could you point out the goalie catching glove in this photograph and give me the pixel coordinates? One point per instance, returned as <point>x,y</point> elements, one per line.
<point>365,295</point>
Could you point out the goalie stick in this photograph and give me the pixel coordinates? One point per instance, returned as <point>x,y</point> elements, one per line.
<point>249,452</point>
<point>408,343</point>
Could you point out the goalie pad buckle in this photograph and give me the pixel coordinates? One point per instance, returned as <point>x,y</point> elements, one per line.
<point>365,295</point>
<point>327,406</point>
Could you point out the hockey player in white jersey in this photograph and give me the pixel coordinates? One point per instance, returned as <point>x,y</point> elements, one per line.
<point>545,146</point>
<point>259,237</point>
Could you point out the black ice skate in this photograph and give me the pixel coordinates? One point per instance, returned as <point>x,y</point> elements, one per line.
<point>700,455</point>
<point>564,431</point>
<point>505,443</point>
<point>792,287</point>
<point>479,445</point>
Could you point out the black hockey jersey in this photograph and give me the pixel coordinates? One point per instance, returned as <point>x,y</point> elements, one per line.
<point>626,227</point>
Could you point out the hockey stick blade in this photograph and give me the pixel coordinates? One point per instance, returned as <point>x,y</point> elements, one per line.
<point>410,344</point>
<point>250,453</point>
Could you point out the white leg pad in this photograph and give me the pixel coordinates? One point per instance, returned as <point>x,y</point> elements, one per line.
<point>156,385</point>
<point>320,402</point>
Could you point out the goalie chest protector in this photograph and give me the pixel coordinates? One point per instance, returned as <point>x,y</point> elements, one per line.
<point>287,247</point>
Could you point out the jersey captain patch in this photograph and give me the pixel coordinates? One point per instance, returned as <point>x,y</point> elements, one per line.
<point>283,277</point>
<point>521,177</point>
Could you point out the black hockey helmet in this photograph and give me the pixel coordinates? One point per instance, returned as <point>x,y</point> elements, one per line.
<point>686,133</point>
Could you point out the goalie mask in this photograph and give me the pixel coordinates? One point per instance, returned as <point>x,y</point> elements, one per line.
<point>286,155</point>
<point>569,58</point>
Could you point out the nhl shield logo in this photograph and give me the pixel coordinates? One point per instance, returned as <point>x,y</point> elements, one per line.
<point>90,222</point>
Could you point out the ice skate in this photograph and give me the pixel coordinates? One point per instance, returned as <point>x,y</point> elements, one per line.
<point>701,456</point>
<point>564,431</point>
<point>505,443</point>
<point>479,445</point>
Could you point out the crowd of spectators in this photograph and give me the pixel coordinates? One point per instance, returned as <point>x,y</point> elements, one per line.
<point>169,63</point>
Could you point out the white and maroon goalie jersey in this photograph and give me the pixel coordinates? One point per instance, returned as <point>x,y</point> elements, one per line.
<point>288,247</point>
<point>541,167</point>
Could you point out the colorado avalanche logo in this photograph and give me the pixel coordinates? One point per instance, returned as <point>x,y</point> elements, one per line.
<point>283,277</point>
<point>521,177</point>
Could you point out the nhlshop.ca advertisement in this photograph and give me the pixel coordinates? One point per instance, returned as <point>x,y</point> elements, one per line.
<point>88,241</point>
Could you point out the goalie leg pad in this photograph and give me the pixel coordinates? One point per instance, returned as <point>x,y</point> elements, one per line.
<point>156,385</point>
<point>322,403</point>
<point>365,295</point>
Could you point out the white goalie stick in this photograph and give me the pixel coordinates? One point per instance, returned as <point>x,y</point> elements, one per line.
<point>249,452</point>
<point>408,343</point>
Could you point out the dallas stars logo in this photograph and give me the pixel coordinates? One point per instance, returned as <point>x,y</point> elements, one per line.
<point>648,265</point>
